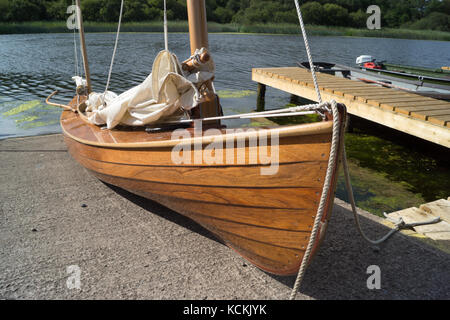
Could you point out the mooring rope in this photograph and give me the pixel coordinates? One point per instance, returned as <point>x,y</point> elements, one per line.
<point>399,224</point>
<point>323,199</point>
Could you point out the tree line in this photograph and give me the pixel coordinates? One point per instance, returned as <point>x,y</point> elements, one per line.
<point>416,14</point>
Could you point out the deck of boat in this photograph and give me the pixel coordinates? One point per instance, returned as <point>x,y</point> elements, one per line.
<point>411,113</point>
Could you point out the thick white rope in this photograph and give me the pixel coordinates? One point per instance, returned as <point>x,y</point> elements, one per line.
<point>114,51</point>
<point>400,224</point>
<point>308,51</point>
<point>323,200</point>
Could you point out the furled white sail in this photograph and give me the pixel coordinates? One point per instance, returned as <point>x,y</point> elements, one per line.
<point>165,95</point>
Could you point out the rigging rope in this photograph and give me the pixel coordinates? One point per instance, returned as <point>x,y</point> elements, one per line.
<point>166,33</point>
<point>77,64</point>
<point>308,51</point>
<point>77,71</point>
<point>114,51</point>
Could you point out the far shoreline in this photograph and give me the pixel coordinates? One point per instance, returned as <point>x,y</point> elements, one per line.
<point>39,27</point>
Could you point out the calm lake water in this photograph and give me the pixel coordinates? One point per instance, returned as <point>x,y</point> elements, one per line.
<point>32,66</point>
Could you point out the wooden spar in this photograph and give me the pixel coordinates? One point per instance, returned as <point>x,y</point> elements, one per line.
<point>83,47</point>
<point>198,31</point>
<point>198,34</point>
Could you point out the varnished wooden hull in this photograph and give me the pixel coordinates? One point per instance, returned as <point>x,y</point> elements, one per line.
<point>267,219</point>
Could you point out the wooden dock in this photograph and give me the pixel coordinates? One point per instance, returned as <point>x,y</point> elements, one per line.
<point>411,113</point>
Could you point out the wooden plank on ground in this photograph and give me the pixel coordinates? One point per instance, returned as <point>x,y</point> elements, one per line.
<point>437,231</point>
<point>439,208</point>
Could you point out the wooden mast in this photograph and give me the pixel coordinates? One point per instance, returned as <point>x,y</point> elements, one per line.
<point>83,47</point>
<point>198,30</point>
<point>198,34</point>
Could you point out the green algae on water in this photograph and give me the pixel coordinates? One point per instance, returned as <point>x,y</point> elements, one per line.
<point>27,119</point>
<point>23,107</point>
<point>229,94</point>
<point>37,124</point>
<point>414,171</point>
<point>375,192</point>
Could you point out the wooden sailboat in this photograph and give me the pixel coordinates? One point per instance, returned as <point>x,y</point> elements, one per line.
<point>267,219</point>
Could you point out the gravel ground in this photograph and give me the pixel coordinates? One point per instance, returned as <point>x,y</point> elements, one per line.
<point>54,215</point>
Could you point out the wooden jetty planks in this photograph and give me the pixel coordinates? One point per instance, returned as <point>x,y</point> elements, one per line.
<point>404,107</point>
<point>377,101</point>
<point>425,114</point>
<point>393,108</point>
<point>440,120</point>
<point>420,111</point>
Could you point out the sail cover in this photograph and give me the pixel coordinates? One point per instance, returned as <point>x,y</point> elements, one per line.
<point>165,95</point>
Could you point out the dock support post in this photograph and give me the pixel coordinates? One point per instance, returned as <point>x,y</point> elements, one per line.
<point>297,100</point>
<point>349,124</point>
<point>261,99</point>
<point>294,99</point>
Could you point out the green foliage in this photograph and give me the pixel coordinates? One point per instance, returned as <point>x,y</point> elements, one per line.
<point>223,15</point>
<point>416,14</point>
<point>58,9</point>
<point>335,15</point>
<point>23,10</point>
<point>313,13</point>
<point>358,19</point>
<point>434,21</point>
<point>134,11</point>
<point>4,9</point>
<point>91,10</point>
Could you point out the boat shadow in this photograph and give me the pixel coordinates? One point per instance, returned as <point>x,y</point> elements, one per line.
<point>164,212</point>
<point>409,267</point>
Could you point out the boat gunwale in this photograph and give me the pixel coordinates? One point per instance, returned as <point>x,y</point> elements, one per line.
<point>316,128</point>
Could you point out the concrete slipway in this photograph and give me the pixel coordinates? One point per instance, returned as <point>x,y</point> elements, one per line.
<point>53,215</point>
